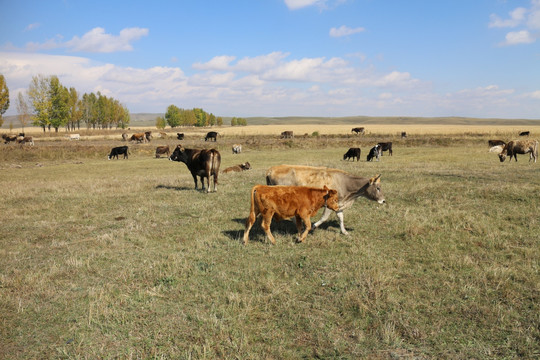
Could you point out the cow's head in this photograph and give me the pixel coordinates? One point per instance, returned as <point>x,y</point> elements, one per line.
<point>179,154</point>
<point>502,157</point>
<point>374,191</point>
<point>331,198</point>
<point>246,166</point>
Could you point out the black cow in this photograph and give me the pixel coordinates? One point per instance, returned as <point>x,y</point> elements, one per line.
<point>7,138</point>
<point>287,135</point>
<point>358,130</point>
<point>211,135</point>
<point>374,152</point>
<point>352,153</point>
<point>115,151</point>
<point>203,163</point>
<point>180,136</point>
<point>493,143</point>
<point>525,133</point>
<point>403,134</point>
<point>386,146</point>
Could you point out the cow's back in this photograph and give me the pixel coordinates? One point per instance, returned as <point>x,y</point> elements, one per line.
<point>298,175</point>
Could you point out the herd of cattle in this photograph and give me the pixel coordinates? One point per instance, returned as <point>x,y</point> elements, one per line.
<point>291,190</point>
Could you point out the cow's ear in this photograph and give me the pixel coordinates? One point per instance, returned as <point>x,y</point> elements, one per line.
<point>325,188</point>
<point>375,180</point>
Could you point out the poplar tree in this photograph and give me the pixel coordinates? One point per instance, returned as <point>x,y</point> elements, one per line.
<point>4,98</point>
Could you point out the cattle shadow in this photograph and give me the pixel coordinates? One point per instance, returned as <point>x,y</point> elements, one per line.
<point>176,188</point>
<point>278,228</point>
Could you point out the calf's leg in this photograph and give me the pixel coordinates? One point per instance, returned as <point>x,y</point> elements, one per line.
<point>265,224</point>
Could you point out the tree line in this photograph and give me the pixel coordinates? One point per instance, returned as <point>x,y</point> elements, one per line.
<point>49,104</point>
<point>175,116</point>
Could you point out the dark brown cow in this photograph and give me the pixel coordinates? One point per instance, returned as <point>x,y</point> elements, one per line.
<point>148,136</point>
<point>203,163</point>
<point>359,130</point>
<point>25,140</point>
<point>180,136</point>
<point>524,133</point>
<point>287,135</point>
<point>284,202</point>
<point>515,147</point>
<point>403,134</point>
<point>139,138</point>
<point>119,150</point>
<point>211,135</point>
<point>352,153</point>
<point>162,150</point>
<point>238,168</point>
<point>493,143</point>
<point>8,138</point>
<point>349,186</point>
<point>386,146</point>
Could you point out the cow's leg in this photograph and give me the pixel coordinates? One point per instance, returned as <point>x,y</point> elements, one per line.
<point>341,224</point>
<point>307,222</point>
<point>195,180</point>
<point>249,223</point>
<point>265,224</point>
<point>324,217</point>
<point>215,181</point>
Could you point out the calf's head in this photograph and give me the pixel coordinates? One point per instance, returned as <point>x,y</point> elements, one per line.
<point>331,198</point>
<point>373,190</point>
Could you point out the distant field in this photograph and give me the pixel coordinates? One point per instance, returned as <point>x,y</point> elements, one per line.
<point>123,259</point>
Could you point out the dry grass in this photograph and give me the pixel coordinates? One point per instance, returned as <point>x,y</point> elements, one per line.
<point>123,259</point>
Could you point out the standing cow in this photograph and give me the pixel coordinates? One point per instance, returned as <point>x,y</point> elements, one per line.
<point>284,202</point>
<point>211,135</point>
<point>139,138</point>
<point>162,150</point>
<point>359,130</point>
<point>236,149</point>
<point>515,147</point>
<point>180,136</point>
<point>348,186</point>
<point>287,135</point>
<point>202,163</point>
<point>374,152</point>
<point>119,150</point>
<point>124,137</point>
<point>352,153</point>
<point>386,146</point>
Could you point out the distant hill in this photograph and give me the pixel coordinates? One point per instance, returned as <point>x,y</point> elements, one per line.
<point>149,119</point>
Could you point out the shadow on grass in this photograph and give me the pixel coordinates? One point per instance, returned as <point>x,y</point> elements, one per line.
<point>177,188</point>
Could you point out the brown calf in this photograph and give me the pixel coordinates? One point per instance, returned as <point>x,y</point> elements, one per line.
<point>162,150</point>
<point>238,168</point>
<point>284,202</point>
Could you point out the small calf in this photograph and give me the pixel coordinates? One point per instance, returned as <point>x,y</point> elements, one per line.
<point>283,202</point>
<point>238,168</point>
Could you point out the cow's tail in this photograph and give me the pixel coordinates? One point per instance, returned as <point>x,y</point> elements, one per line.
<point>214,168</point>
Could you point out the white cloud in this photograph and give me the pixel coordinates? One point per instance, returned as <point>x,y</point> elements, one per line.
<point>344,31</point>
<point>31,27</point>
<point>518,37</point>
<point>517,17</point>
<point>216,63</point>
<point>298,4</point>
<point>533,95</point>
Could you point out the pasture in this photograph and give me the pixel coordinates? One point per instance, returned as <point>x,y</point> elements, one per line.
<point>124,259</point>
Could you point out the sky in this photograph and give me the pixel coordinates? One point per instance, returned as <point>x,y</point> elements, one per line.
<point>423,58</point>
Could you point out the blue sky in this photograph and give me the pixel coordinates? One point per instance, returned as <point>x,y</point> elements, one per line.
<point>478,58</point>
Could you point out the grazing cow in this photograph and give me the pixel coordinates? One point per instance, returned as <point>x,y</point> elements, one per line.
<point>124,137</point>
<point>348,186</point>
<point>139,137</point>
<point>374,152</point>
<point>180,136</point>
<point>202,163</point>
<point>386,146</point>
<point>161,150</point>
<point>359,130</point>
<point>74,137</point>
<point>287,135</point>
<point>148,136</point>
<point>403,134</point>
<point>8,138</point>
<point>119,150</point>
<point>493,143</point>
<point>25,140</point>
<point>524,133</point>
<point>352,153</point>
<point>211,135</point>
<point>238,168</point>
<point>515,147</point>
<point>284,202</point>
<point>236,149</point>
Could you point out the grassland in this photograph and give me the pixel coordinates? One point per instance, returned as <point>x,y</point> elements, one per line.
<point>123,259</point>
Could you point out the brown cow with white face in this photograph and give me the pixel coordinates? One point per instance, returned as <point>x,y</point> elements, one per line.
<point>515,147</point>
<point>203,163</point>
<point>284,202</point>
<point>348,186</point>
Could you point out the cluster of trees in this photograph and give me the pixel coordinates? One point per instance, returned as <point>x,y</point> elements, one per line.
<point>174,116</point>
<point>238,121</point>
<point>49,104</point>
<point>4,98</point>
